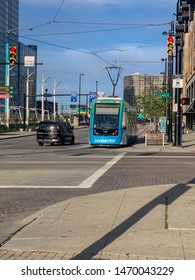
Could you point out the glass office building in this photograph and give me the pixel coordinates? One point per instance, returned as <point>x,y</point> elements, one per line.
<point>9,30</point>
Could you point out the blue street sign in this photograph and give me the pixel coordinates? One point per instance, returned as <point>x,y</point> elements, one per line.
<point>73,96</point>
<point>92,96</point>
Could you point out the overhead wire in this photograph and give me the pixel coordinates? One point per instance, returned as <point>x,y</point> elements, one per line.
<point>127,26</point>
<point>54,21</point>
<point>58,11</point>
<point>68,48</point>
<point>29,37</point>
<point>88,31</point>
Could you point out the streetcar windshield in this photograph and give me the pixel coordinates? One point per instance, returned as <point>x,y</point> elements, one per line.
<point>106,116</point>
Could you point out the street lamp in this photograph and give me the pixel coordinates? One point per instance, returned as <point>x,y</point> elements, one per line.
<point>54,99</point>
<point>79,98</point>
<point>96,87</point>
<point>28,75</point>
<point>43,83</point>
<point>165,90</point>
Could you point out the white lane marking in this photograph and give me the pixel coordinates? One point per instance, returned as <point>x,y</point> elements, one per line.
<point>13,156</point>
<point>86,184</point>
<point>94,177</point>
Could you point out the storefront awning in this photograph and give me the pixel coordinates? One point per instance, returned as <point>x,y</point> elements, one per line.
<point>190,109</point>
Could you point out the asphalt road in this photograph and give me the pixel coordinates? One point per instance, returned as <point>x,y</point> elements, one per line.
<point>34,177</point>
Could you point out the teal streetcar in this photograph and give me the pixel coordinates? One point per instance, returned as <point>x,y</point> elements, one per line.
<point>113,122</point>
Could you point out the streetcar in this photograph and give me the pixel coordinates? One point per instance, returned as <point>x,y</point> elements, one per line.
<point>113,122</point>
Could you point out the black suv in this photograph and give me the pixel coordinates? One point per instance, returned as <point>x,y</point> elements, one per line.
<point>55,132</point>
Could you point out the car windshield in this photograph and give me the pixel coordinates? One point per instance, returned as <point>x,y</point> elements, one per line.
<point>47,126</point>
<point>106,116</point>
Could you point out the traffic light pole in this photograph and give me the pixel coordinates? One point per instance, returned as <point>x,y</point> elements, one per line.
<point>170,90</point>
<point>178,114</point>
<point>7,84</point>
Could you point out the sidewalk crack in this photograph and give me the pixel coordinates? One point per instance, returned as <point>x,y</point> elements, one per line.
<point>119,208</point>
<point>182,246</point>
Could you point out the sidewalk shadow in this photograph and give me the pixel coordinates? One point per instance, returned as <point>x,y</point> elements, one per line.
<point>172,194</point>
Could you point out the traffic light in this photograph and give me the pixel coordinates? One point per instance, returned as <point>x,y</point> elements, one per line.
<point>12,55</point>
<point>170,45</point>
<point>11,90</point>
<point>185,101</point>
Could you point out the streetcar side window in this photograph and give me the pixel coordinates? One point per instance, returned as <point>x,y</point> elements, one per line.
<point>124,123</point>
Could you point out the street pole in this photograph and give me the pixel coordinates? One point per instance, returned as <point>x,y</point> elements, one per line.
<point>165,88</point>
<point>96,87</point>
<point>79,98</point>
<point>7,76</point>
<point>178,114</point>
<point>42,86</point>
<point>27,96</point>
<point>170,90</point>
<point>54,99</point>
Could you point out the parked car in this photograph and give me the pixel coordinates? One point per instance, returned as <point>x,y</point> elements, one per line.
<point>51,132</point>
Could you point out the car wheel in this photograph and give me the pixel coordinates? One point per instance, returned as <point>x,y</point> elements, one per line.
<point>40,144</point>
<point>52,144</point>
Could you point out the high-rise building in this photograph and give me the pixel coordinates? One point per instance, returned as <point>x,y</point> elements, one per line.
<point>9,30</point>
<point>137,83</point>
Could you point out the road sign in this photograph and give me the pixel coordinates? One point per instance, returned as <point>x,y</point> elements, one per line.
<point>162,94</point>
<point>140,116</point>
<point>177,83</point>
<point>92,96</point>
<point>73,106</point>
<point>4,92</point>
<point>73,97</point>
<point>175,107</point>
<point>29,61</point>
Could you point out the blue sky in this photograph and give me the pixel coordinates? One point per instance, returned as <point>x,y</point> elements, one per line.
<point>83,36</point>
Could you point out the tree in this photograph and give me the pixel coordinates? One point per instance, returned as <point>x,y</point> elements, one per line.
<point>151,104</point>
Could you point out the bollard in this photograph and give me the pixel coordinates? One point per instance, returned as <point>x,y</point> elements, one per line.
<point>166,213</point>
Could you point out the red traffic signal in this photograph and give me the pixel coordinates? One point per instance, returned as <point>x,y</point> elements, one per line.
<point>12,55</point>
<point>170,45</point>
<point>185,101</point>
<point>170,39</point>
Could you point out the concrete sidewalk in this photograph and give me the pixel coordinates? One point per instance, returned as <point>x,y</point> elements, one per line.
<point>123,224</point>
<point>15,134</point>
